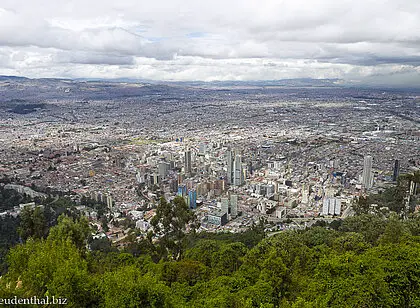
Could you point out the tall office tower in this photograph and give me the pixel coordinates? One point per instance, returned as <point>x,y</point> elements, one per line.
<point>238,172</point>
<point>109,202</point>
<point>192,199</point>
<point>225,205</point>
<point>101,197</point>
<point>173,185</point>
<point>396,173</point>
<point>181,178</point>
<point>187,161</point>
<point>244,173</point>
<point>367,176</point>
<point>182,190</point>
<point>163,168</point>
<point>233,205</point>
<point>230,158</point>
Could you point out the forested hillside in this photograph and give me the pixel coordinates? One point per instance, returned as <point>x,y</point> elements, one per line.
<point>366,262</point>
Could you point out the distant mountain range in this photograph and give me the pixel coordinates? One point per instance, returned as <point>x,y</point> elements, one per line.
<point>298,82</point>
<point>15,90</point>
<point>287,83</point>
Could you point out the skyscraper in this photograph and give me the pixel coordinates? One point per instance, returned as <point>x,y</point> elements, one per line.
<point>182,190</point>
<point>109,202</point>
<point>230,166</point>
<point>238,171</point>
<point>163,168</point>
<point>396,172</point>
<point>233,205</point>
<point>224,205</point>
<point>187,162</point>
<point>235,169</point>
<point>192,199</point>
<point>367,176</point>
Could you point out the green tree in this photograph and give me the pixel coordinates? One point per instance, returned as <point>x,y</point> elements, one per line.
<point>127,287</point>
<point>351,241</point>
<point>77,231</point>
<point>413,224</point>
<point>228,258</point>
<point>203,251</point>
<point>104,224</point>
<point>361,205</point>
<point>50,267</point>
<point>401,263</point>
<point>183,271</point>
<point>170,224</point>
<point>395,231</point>
<point>32,223</point>
<point>349,280</point>
<point>370,226</point>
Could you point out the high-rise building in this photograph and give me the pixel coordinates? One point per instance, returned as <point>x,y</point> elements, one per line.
<point>331,206</point>
<point>187,162</point>
<point>238,179</point>
<point>181,178</point>
<point>182,190</point>
<point>236,170</point>
<point>224,205</point>
<point>233,205</point>
<point>230,158</point>
<point>367,176</point>
<point>163,168</point>
<point>109,202</point>
<point>269,190</point>
<point>396,172</point>
<point>173,185</point>
<point>192,199</point>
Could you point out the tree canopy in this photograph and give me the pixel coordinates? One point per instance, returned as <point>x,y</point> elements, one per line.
<point>369,260</point>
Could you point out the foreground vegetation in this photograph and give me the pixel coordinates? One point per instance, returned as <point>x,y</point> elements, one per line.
<point>367,262</point>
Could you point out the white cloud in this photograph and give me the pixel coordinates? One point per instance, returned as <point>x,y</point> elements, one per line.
<point>208,40</point>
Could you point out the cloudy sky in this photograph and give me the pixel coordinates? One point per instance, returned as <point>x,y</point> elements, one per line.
<point>374,41</point>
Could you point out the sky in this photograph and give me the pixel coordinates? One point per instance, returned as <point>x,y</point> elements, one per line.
<point>359,41</point>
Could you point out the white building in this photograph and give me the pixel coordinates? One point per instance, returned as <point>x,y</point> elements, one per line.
<point>143,225</point>
<point>331,206</point>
